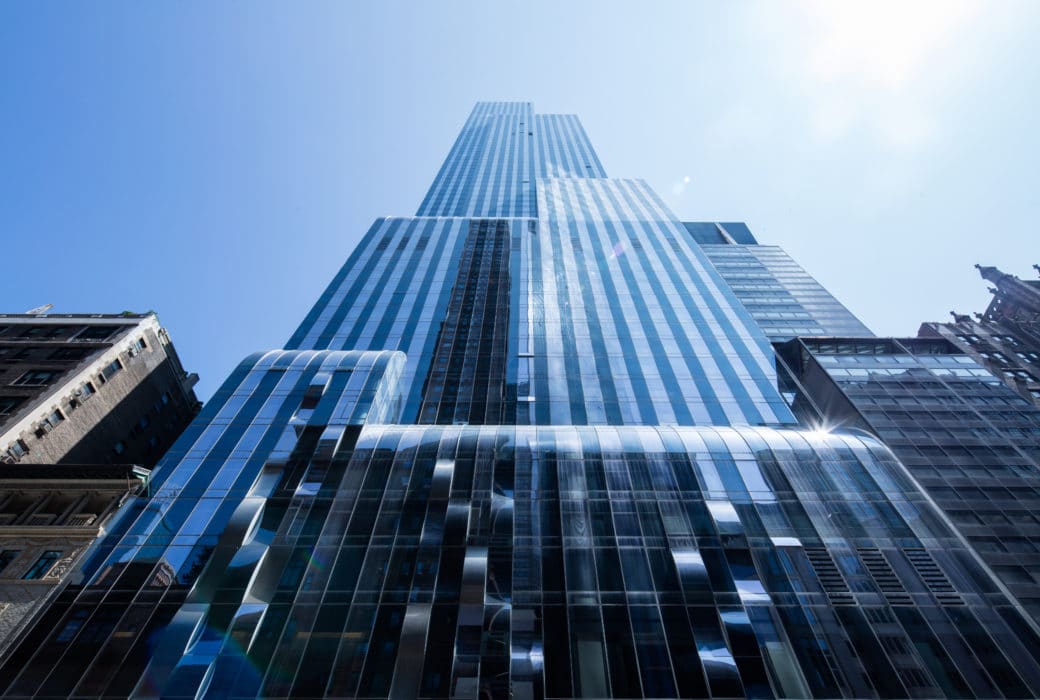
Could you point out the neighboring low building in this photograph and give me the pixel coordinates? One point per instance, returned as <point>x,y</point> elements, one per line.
<point>94,389</point>
<point>1005,339</point>
<point>49,517</point>
<point>970,441</point>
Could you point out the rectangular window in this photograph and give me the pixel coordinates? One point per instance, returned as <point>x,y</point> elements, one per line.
<point>43,331</point>
<point>86,390</point>
<point>18,449</point>
<point>42,565</point>
<point>69,354</point>
<point>36,377</point>
<point>17,353</point>
<point>8,404</point>
<point>7,556</point>
<point>111,369</point>
<point>96,334</point>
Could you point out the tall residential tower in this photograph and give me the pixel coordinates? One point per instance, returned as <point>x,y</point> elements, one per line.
<point>528,444</point>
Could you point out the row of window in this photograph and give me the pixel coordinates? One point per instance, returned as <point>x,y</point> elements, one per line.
<point>94,333</point>
<point>1000,357</point>
<point>20,352</point>
<point>973,339</point>
<point>43,377</point>
<point>142,424</point>
<point>8,405</point>
<point>44,563</point>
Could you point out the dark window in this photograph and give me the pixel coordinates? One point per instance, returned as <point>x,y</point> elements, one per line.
<point>55,417</point>
<point>18,449</point>
<point>15,352</point>
<point>112,368</point>
<point>96,333</point>
<point>8,404</point>
<point>71,627</point>
<point>119,447</point>
<point>43,331</point>
<point>69,354</point>
<point>86,390</point>
<point>7,556</point>
<point>36,377</point>
<point>42,565</point>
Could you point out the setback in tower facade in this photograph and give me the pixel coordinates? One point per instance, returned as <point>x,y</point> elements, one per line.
<point>529,444</point>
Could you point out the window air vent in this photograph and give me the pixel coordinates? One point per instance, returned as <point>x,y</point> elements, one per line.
<point>885,578</point>
<point>934,578</point>
<point>833,583</point>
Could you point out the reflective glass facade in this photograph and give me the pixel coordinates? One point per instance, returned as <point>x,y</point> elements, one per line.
<point>528,444</point>
<point>970,441</point>
<point>779,294</point>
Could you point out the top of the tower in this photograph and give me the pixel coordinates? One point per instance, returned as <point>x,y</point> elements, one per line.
<point>498,157</point>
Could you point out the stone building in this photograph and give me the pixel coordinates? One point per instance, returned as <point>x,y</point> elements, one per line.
<point>50,515</point>
<point>95,389</point>
<point>1006,338</point>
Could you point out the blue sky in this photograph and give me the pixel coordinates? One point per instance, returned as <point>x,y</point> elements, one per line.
<point>218,162</point>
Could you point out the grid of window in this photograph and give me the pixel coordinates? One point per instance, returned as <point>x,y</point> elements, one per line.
<point>972,443</point>
<point>619,318</point>
<point>629,322</point>
<point>1013,358</point>
<point>467,378</point>
<point>652,525</point>
<point>780,295</point>
<point>392,294</point>
<point>501,152</point>
<point>553,561</point>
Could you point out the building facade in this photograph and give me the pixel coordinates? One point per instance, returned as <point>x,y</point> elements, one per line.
<point>528,444</point>
<point>972,443</point>
<point>1006,338</point>
<point>98,389</point>
<point>784,299</point>
<point>49,516</point>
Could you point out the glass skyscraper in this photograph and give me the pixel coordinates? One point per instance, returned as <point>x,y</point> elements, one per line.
<point>528,444</point>
<point>780,295</point>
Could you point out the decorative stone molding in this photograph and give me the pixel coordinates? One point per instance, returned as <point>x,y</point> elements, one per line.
<point>61,567</point>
